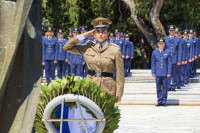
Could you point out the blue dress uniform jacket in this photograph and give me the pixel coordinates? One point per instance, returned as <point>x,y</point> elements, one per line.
<point>120,42</point>
<point>190,45</point>
<point>184,50</point>
<point>131,54</point>
<point>49,49</point>
<point>184,58</point>
<point>196,53</point>
<point>76,63</point>
<point>161,66</point>
<point>175,48</point>
<point>161,63</point>
<point>126,52</point>
<point>61,56</point>
<point>48,56</point>
<point>190,55</point>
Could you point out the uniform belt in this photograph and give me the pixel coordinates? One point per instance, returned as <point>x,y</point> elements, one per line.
<point>99,73</point>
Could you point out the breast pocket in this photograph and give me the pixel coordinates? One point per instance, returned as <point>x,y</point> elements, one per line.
<point>90,58</point>
<point>109,59</point>
<point>165,56</point>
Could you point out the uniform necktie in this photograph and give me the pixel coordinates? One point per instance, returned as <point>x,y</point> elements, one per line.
<point>100,47</point>
<point>171,38</point>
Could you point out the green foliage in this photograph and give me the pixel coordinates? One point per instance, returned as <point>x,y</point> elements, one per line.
<point>67,14</point>
<point>75,85</point>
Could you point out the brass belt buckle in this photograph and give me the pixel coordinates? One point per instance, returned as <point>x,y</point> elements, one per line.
<point>98,73</point>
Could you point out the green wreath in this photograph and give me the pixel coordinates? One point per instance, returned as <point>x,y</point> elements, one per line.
<point>75,85</point>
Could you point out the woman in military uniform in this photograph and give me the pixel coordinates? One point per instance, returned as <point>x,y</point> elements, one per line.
<point>101,58</point>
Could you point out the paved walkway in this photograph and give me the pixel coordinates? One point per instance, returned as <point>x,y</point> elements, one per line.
<point>151,119</point>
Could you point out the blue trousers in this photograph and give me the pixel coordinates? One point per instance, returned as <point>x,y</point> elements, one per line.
<point>182,80</point>
<point>68,69</point>
<point>77,69</point>
<point>61,68</point>
<point>161,88</point>
<point>172,79</point>
<point>129,66</point>
<point>187,72</point>
<point>49,70</point>
<point>194,67</point>
<point>126,67</point>
<point>65,127</point>
<point>178,76</point>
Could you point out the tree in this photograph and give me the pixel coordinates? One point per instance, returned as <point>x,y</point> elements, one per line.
<point>147,17</point>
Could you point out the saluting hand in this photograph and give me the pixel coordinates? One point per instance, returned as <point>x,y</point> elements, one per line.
<point>88,33</point>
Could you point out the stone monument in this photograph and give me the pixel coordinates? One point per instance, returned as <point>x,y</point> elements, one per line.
<point>20,63</point>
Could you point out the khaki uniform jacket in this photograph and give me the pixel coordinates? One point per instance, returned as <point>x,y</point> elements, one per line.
<point>105,60</point>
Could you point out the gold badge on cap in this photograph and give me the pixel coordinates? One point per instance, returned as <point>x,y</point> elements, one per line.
<point>176,29</point>
<point>126,34</point>
<point>60,31</point>
<point>191,31</point>
<point>185,32</point>
<point>49,28</point>
<point>100,22</point>
<point>161,40</point>
<point>171,27</point>
<point>116,30</point>
<point>83,28</point>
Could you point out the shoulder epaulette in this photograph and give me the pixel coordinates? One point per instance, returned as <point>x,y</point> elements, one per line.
<point>113,44</point>
<point>90,42</point>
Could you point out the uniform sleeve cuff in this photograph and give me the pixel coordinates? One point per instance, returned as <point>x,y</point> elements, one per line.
<point>80,37</point>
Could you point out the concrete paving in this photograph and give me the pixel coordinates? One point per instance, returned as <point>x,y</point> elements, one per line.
<point>151,119</point>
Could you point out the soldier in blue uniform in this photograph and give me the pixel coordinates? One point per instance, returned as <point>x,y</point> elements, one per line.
<point>161,70</point>
<point>48,55</point>
<point>184,57</point>
<point>173,44</point>
<point>131,52</point>
<point>46,34</point>
<point>178,77</point>
<point>196,52</point>
<point>76,61</point>
<point>68,68</point>
<point>186,49</point>
<point>61,54</point>
<point>190,55</point>
<point>126,53</point>
<point>111,37</point>
<point>192,52</point>
<point>83,30</point>
<point>119,41</point>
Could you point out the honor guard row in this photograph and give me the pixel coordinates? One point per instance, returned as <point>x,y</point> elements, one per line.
<point>67,63</point>
<point>175,61</point>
